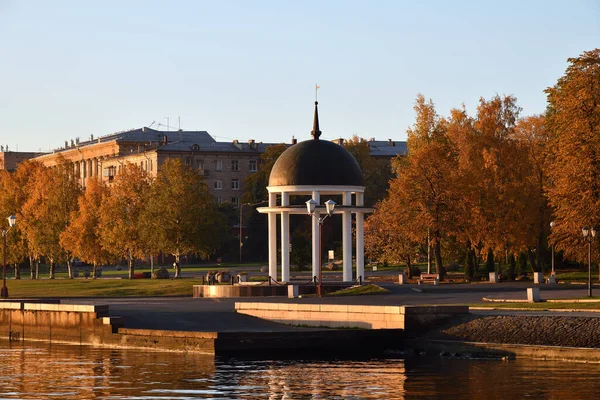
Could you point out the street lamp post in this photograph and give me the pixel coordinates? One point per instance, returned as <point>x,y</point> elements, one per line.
<point>589,234</point>
<point>552,225</point>
<point>329,207</point>
<point>12,220</point>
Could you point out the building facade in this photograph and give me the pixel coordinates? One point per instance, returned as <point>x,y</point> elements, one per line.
<point>224,164</point>
<point>10,159</point>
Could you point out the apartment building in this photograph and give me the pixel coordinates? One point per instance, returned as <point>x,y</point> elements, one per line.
<point>224,164</point>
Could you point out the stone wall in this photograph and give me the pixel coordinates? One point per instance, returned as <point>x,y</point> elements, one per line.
<point>59,323</point>
<point>414,318</point>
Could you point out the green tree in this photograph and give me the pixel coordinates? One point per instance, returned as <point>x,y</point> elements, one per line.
<point>120,221</point>
<point>255,185</point>
<point>181,216</point>
<point>255,192</point>
<point>376,173</point>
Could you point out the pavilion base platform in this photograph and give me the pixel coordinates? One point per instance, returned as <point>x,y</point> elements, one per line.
<point>275,289</point>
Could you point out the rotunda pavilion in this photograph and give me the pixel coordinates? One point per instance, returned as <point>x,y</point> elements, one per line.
<point>316,168</point>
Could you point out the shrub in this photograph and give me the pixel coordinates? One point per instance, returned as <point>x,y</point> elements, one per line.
<point>490,265</point>
<point>511,268</point>
<point>415,271</point>
<point>522,264</point>
<point>470,269</point>
<point>452,267</point>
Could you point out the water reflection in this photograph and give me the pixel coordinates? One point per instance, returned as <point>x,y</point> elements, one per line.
<point>68,372</point>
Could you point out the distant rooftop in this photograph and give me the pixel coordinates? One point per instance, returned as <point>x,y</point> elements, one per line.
<point>387,148</point>
<point>203,141</point>
<point>170,141</point>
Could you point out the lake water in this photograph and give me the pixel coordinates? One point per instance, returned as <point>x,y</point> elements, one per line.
<point>41,371</point>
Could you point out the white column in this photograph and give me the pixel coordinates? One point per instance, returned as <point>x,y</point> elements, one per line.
<point>347,237</point>
<point>316,196</point>
<point>285,239</point>
<point>272,237</point>
<point>360,238</point>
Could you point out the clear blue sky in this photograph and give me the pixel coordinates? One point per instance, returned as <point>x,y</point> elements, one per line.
<point>247,69</point>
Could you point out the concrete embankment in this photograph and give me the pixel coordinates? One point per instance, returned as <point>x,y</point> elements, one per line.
<point>92,325</point>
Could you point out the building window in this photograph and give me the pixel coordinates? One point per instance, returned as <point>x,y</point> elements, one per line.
<point>235,200</point>
<point>150,165</point>
<point>200,164</point>
<point>235,165</point>
<point>235,184</point>
<point>218,165</point>
<point>219,199</point>
<point>218,185</point>
<point>188,161</point>
<point>252,165</point>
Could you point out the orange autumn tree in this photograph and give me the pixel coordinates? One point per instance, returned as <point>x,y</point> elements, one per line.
<point>389,231</point>
<point>424,187</point>
<point>82,238</point>
<point>51,197</point>
<point>573,120</point>
<point>532,139</point>
<point>24,183</point>
<point>490,177</point>
<point>120,220</point>
<point>15,249</point>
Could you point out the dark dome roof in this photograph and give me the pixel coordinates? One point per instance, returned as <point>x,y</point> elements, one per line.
<point>316,162</point>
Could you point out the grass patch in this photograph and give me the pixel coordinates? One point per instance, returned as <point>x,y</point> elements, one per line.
<point>540,306</point>
<point>100,287</point>
<point>359,291</point>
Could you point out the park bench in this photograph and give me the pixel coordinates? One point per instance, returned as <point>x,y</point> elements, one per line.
<point>429,278</point>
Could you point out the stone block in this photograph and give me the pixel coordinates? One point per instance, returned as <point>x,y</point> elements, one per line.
<point>538,278</point>
<point>493,277</point>
<point>533,295</point>
<point>293,291</point>
<point>402,279</point>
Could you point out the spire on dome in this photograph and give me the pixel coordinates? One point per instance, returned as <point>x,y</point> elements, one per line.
<point>316,132</point>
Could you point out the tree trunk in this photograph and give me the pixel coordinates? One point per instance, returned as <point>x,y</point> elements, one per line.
<point>17,271</point>
<point>94,270</point>
<point>51,270</point>
<point>408,265</point>
<point>37,268</point>
<point>439,266</point>
<point>70,268</point>
<point>177,266</point>
<point>130,262</point>
<point>32,267</point>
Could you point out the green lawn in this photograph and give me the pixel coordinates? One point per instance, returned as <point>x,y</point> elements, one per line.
<point>111,271</point>
<point>100,287</point>
<point>359,291</point>
<point>544,305</point>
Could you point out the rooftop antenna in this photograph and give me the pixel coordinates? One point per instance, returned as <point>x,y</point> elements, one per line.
<point>179,124</point>
<point>153,122</point>
<point>167,118</point>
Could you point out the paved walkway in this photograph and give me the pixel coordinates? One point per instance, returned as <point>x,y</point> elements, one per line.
<point>189,314</point>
